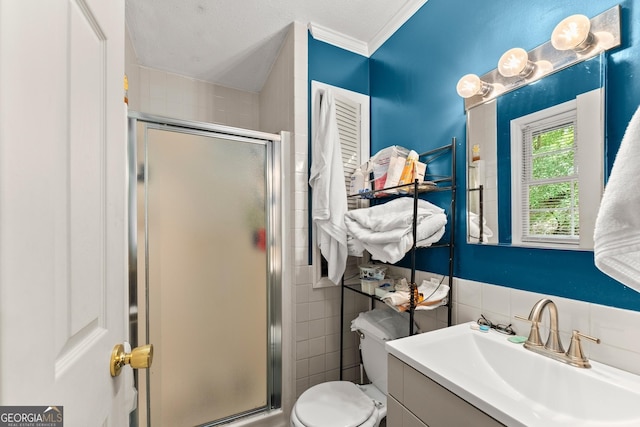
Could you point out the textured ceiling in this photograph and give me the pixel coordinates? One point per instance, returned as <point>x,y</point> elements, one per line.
<point>234,42</point>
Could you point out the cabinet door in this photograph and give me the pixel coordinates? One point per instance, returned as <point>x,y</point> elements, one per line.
<point>399,416</point>
<point>395,385</point>
<point>394,412</point>
<point>416,400</point>
<point>437,406</point>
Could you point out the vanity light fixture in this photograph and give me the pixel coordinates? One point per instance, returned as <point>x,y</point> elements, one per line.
<point>573,33</point>
<point>575,39</point>
<point>515,62</point>
<point>470,85</point>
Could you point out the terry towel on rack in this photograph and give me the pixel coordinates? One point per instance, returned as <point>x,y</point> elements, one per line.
<point>617,231</point>
<point>386,231</point>
<point>434,294</point>
<point>474,229</point>
<point>329,195</point>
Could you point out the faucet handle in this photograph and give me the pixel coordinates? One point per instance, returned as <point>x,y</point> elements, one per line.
<point>534,335</point>
<point>580,334</point>
<point>575,354</point>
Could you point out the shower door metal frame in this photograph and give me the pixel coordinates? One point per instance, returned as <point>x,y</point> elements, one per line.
<point>273,198</point>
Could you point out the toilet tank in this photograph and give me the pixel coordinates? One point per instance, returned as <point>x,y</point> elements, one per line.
<point>376,327</point>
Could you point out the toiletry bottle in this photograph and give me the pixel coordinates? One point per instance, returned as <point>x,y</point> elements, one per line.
<point>357,181</point>
<point>408,172</point>
<point>126,89</point>
<point>475,152</point>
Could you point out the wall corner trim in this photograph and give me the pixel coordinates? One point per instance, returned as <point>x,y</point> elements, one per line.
<point>351,44</point>
<point>403,15</point>
<point>338,39</point>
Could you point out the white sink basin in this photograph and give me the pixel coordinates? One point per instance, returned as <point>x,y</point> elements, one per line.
<point>518,387</point>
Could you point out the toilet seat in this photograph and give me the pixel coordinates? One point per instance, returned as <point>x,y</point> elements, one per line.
<point>335,403</point>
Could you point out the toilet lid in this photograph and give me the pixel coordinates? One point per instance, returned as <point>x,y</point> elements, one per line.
<point>334,403</point>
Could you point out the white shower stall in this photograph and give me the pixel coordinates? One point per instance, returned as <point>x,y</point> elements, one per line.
<point>206,270</point>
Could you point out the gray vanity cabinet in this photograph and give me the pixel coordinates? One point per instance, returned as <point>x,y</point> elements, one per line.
<point>414,400</point>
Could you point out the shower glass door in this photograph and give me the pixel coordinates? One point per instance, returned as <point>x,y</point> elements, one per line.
<point>206,274</point>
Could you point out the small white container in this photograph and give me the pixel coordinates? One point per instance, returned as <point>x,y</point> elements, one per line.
<point>369,286</point>
<point>382,289</point>
<point>374,272</point>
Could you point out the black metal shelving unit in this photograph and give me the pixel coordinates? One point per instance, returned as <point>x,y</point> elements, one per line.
<point>441,183</point>
<point>480,190</point>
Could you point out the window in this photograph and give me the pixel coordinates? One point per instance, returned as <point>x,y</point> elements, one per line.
<point>352,110</point>
<point>549,193</point>
<point>557,163</point>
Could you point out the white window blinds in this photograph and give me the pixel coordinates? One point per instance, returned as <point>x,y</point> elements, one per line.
<point>549,193</point>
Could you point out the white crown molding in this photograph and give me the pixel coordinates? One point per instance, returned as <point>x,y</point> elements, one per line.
<point>396,22</point>
<point>362,48</point>
<point>338,39</point>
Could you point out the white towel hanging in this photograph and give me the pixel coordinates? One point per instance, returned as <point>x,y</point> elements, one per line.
<point>329,195</point>
<point>617,231</point>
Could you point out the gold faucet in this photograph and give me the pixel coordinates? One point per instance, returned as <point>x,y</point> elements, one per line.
<point>553,347</point>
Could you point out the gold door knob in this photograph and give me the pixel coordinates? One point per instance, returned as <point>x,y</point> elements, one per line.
<point>139,358</point>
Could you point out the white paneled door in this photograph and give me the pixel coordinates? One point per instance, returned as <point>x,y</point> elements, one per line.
<point>62,207</point>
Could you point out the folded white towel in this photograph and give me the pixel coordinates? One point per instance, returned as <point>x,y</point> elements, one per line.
<point>397,213</point>
<point>386,231</point>
<point>617,231</point>
<point>474,229</point>
<point>433,293</point>
<point>396,298</point>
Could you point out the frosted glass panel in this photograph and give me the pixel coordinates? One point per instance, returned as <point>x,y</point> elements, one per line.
<point>207,270</point>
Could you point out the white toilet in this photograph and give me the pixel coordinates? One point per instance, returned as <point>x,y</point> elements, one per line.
<point>343,403</point>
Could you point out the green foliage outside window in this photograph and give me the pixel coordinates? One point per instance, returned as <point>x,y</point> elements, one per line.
<point>553,190</point>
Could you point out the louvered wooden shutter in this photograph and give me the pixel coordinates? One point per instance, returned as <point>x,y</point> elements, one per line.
<point>348,117</point>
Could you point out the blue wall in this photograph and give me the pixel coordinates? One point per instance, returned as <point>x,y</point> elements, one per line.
<point>411,80</point>
<point>338,67</point>
<point>414,103</point>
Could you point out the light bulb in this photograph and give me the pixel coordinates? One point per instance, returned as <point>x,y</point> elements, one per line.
<point>543,68</point>
<point>470,85</point>
<point>573,33</point>
<point>515,62</point>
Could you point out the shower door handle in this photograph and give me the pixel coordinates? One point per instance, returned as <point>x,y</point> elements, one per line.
<point>139,358</point>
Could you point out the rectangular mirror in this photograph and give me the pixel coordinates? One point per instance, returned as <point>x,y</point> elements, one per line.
<point>540,187</point>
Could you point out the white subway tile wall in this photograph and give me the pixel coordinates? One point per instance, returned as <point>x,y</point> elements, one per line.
<point>171,95</point>
<point>617,328</point>
<point>283,106</point>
